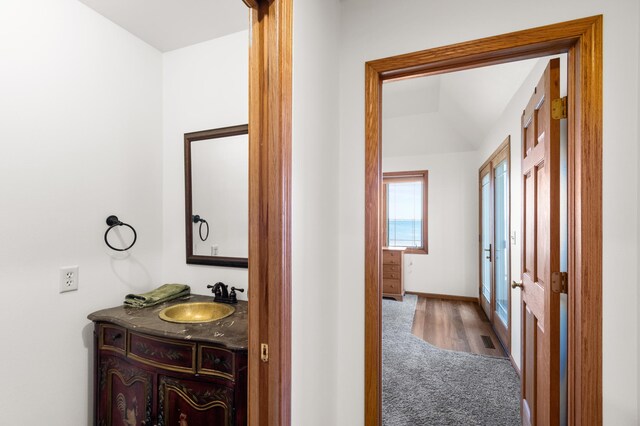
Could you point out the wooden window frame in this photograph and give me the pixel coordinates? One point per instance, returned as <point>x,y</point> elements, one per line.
<point>581,39</point>
<point>409,176</point>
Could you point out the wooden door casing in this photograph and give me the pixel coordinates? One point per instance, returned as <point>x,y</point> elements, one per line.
<point>541,253</point>
<point>581,39</point>
<point>270,106</point>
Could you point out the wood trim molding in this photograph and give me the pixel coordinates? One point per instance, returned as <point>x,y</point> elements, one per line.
<point>502,147</point>
<point>252,4</point>
<point>270,91</point>
<point>526,44</point>
<point>585,227</point>
<point>582,41</point>
<point>444,296</point>
<point>372,249</point>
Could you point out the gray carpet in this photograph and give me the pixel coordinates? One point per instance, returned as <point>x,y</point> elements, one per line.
<point>425,385</point>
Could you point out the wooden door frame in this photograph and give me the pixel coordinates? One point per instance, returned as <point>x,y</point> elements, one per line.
<point>270,91</point>
<point>581,40</point>
<point>504,147</point>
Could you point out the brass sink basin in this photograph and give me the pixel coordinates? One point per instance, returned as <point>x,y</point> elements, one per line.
<point>196,312</point>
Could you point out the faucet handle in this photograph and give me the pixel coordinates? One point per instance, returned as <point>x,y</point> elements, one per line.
<point>232,294</point>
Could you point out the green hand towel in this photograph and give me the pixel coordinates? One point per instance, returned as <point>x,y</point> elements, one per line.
<point>161,294</point>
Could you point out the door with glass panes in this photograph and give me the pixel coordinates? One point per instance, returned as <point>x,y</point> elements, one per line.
<point>495,242</point>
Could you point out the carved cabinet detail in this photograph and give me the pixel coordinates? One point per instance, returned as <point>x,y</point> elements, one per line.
<point>148,380</point>
<point>126,393</point>
<point>189,402</point>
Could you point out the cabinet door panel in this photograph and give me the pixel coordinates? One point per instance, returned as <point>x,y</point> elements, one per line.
<point>125,394</point>
<point>192,403</point>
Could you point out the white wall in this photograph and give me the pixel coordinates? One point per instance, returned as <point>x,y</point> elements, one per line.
<point>316,294</point>
<point>205,87</point>
<point>80,139</point>
<point>451,267</point>
<point>372,29</point>
<point>421,134</point>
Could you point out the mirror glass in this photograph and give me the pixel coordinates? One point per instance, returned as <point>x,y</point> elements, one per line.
<point>217,196</point>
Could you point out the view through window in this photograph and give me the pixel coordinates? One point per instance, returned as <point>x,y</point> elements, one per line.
<point>405,215</point>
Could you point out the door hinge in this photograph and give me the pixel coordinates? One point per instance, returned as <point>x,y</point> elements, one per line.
<point>559,108</point>
<point>264,352</point>
<point>560,282</point>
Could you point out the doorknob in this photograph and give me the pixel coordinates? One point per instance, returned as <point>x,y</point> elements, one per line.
<point>516,284</point>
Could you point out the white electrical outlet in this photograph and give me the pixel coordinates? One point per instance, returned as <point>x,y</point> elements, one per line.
<point>68,278</point>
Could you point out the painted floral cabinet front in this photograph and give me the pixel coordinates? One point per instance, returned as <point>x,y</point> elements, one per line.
<point>147,380</point>
<point>126,393</point>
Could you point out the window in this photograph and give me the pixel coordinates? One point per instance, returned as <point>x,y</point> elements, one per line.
<point>405,210</point>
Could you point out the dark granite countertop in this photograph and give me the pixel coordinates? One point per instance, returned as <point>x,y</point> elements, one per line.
<point>229,332</point>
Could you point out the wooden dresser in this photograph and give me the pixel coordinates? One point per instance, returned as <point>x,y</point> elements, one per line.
<point>392,274</point>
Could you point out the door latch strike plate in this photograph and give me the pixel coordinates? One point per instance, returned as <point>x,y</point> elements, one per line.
<point>560,282</point>
<point>264,352</point>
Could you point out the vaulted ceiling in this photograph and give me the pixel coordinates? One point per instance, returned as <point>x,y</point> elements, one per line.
<point>449,112</point>
<point>172,24</point>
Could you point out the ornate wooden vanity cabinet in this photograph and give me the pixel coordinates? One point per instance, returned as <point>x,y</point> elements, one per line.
<point>151,372</point>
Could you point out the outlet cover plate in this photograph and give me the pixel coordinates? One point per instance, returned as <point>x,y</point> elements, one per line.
<point>68,278</point>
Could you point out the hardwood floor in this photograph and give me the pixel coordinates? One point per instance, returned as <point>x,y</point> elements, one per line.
<point>455,325</point>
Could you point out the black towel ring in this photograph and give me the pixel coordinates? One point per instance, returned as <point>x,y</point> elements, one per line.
<point>113,221</point>
<point>196,218</point>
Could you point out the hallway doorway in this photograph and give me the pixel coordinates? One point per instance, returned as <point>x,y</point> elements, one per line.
<point>584,259</point>
<point>445,127</point>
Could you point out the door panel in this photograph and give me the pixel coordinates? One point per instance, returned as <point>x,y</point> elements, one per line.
<point>541,253</point>
<point>529,366</point>
<point>485,243</point>
<point>501,269</point>
<point>495,270</point>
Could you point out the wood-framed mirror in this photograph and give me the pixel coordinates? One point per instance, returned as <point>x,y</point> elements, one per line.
<point>217,196</point>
